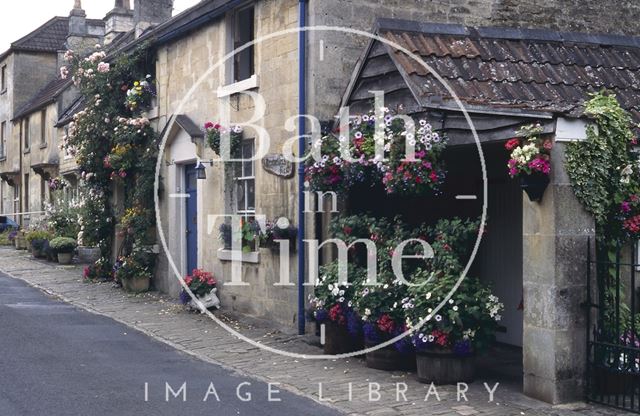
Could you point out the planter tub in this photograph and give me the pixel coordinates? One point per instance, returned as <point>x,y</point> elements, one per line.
<point>444,367</point>
<point>337,340</point>
<point>36,253</point>
<point>21,243</point>
<point>88,255</point>
<point>65,258</point>
<point>138,285</point>
<point>534,186</point>
<point>390,359</point>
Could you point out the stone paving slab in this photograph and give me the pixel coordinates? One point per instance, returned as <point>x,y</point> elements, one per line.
<point>326,381</point>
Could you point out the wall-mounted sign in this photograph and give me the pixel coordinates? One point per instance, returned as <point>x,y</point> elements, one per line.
<point>276,164</point>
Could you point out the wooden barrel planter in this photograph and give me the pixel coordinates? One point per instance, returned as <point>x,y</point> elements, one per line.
<point>444,367</point>
<point>337,340</point>
<point>390,359</point>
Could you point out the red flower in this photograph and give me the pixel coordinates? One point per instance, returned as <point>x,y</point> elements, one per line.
<point>386,324</point>
<point>208,125</point>
<point>512,144</point>
<point>336,315</point>
<point>347,230</point>
<point>188,280</point>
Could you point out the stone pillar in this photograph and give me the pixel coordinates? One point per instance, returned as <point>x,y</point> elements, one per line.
<point>555,233</point>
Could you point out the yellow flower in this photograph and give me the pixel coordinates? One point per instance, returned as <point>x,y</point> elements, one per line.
<point>136,83</point>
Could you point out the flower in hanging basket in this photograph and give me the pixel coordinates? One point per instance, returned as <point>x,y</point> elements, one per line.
<point>215,133</point>
<point>531,154</point>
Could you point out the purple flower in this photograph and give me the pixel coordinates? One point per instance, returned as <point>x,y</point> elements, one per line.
<point>354,323</point>
<point>184,297</point>
<point>321,315</point>
<point>371,334</point>
<point>462,348</point>
<point>625,207</point>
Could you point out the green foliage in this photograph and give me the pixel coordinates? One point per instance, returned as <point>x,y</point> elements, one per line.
<point>4,238</point>
<point>63,244</point>
<point>594,165</point>
<point>137,265</point>
<point>115,145</point>
<point>62,217</point>
<point>37,238</point>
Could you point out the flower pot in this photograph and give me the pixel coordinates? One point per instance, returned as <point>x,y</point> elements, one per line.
<point>65,258</point>
<point>534,185</point>
<point>337,340</point>
<point>390,359</point>
<point>444,367</point>
<point>36,252</point>
<point>88,255</point>
<point>21,242</point>
<point>137,285</point>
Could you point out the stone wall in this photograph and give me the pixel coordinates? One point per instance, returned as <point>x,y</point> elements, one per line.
<point>180,65</point>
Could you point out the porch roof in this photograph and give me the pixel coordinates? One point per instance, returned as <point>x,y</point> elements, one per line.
<point>499,70</point>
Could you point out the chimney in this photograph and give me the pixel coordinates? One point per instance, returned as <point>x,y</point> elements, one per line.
<point>151,13</point>
<point>118,20</point>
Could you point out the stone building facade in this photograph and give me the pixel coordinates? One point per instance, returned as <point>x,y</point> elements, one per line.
<point>194,84</point>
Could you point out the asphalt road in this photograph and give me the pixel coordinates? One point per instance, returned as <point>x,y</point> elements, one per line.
<point>58,360</point>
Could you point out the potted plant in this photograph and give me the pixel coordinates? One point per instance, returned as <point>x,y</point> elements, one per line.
<point>36,240</point>
<point>250,235</point>
<point>530,160</point>
<point>20,240</point>
<point>134,271</point>
<point>203,285</point>
<point>64,247</point>
<point>448,339</point>
<point>332,305</point>
<point>384,319</point>
<point>280,229</point>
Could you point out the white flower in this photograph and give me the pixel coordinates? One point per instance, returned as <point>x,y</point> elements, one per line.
<point>438,318</point>
<point>367,312</point>
<point>428,296</point>
<point>455,308</point>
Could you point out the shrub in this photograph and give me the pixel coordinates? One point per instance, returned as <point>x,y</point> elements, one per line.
<point>63,244</point>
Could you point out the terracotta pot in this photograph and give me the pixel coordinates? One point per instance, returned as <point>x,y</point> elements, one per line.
<point>390,359</point>
<point>444,367</point>
<point>137,285</point>
<point>65,258</point>
<point>337,340</point>
<point>534,185</point>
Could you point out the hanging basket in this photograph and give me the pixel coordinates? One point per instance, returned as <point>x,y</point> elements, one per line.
<point>534,185</point>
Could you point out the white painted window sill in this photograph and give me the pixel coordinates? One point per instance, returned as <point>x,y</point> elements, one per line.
<point>239,86</point>
<point>228,255</point>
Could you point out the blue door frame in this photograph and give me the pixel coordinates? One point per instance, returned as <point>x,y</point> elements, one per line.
<point>191,224</point>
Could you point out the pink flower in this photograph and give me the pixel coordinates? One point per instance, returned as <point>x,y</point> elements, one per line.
<point>512,144</point>
<point>547,145</point>
<point>208,125</point>
<point>64,72</point>
<point>540,165</point>
<point>123,174</point>
<point>103,67</point>
<point>625,207</point>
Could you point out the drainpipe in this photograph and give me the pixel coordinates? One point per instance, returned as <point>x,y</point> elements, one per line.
<point>302,109</point>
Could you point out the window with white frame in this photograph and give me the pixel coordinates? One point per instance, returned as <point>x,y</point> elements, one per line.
<point>243,32</point>
<point>245,181</point>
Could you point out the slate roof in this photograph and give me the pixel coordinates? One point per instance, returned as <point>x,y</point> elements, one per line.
<point>518,70</point>
<point>50,37</point>
<point>45,96</point>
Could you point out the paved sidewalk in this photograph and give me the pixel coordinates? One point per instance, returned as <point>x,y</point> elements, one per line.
<point>165,320</point>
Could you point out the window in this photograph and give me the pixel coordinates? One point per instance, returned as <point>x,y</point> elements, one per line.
<point>43,127</point>
<point>3,140</point>
<point>26,192</point>
<point>43,193</point>
<point>243,33</point>
<point>245,181</point>
<point>3,78</point>
<point>26,135</point>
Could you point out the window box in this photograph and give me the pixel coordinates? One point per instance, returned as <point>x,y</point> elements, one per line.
<point>229,255</point>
